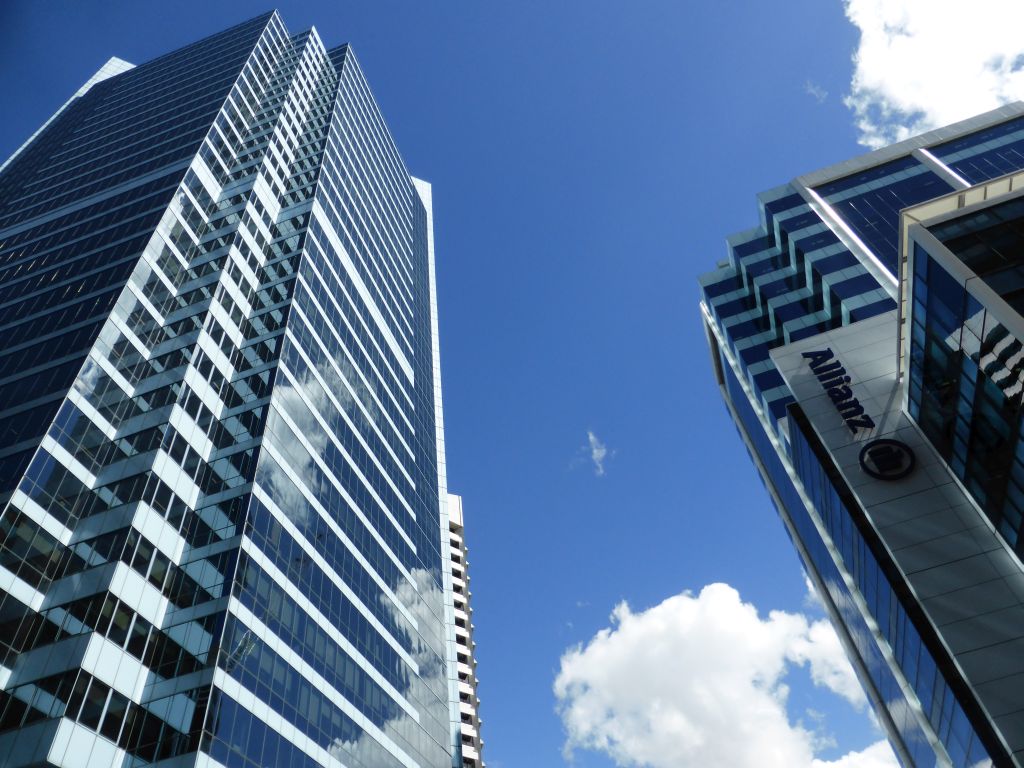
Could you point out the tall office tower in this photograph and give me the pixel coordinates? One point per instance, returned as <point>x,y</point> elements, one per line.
<point>469,703</point>
<point>221,455</point>
<point>867,339</point>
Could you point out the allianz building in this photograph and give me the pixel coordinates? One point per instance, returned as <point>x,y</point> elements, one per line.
<point>868,340</point>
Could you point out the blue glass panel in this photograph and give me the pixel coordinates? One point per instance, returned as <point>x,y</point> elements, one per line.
<point>873,212</point>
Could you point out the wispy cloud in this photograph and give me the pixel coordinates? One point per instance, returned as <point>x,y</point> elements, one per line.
<point>921,64</point>
<point>815,91</point>
<point>598,452</point>
<point>702,680</point>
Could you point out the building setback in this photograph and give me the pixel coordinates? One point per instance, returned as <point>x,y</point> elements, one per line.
<point>867,340</point>
<point>472,745</point>
<point>224,513</point>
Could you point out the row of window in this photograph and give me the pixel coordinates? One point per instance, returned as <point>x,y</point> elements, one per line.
<point>285,552</point>
<point>348,425</point>
<point>79,696</point>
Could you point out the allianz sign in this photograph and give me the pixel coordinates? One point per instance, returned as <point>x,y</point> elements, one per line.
<point>836,383</point>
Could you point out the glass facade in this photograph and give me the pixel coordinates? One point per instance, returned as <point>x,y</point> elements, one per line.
<point>800,274</point>
<point>787,280</point>
<point>870,202</point>
<point>985,154</point>
<point>888,612</point>
<point>890,605</point>
<point>221,460</point>
<point>966,367</point>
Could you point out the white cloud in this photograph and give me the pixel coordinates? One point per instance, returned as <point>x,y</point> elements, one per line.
<point>815,91</point>
<point>812,600</point>
<point>878,755</point>
<point>699,680</point>
<point>598,452</point>
<point>820,648</point>
<point>921,64</point>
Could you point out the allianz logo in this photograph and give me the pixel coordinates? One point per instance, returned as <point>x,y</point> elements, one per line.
<point>836,383</point>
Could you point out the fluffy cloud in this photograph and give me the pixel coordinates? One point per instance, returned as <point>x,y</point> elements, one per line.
<point>699,680</point>
<point>878,755</point>
<point>922,64</point>
<point>819,648</point>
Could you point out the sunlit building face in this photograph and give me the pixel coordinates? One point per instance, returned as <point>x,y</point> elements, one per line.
<point>223,537</point>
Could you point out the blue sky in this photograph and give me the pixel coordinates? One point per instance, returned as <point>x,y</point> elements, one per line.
<point>588,160</point>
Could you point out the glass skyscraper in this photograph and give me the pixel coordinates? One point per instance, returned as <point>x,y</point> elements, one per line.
<point>868,340</point>
<point>223,538</point>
